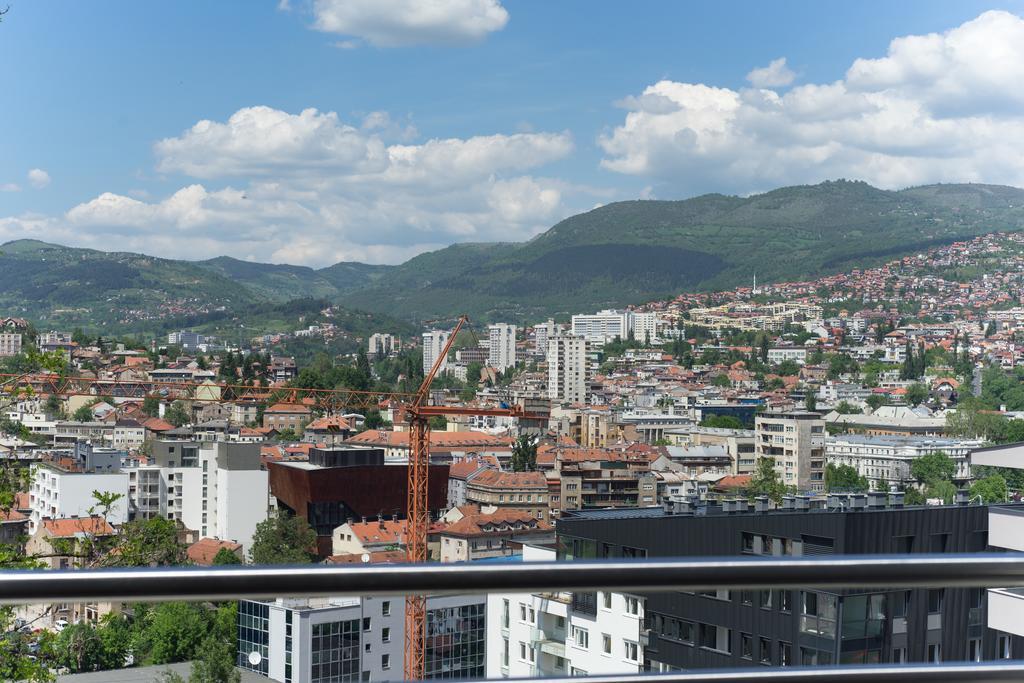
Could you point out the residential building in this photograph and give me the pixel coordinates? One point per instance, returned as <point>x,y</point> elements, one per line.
<point>459,475</point>
<point>358,639</point>
<point>525,491</point>
<point>244,412</point>
<point>291,416</point>
<point>204,551</point>
<point>216,489</point>
<point>541,334</point>
<point>554,635</point>
<point>885,460</point>
<point>382,345</point>
<point>186,339</point>
<point>483,535</point>
<point>433,344</point>
<point>128,434</point>
<point>282,369</point>
<point>501,351</point>
<point>67,432</point>
<point>781,354</point>
<point>331,430</point>
<point>63,488</point>
<point>599,482</point>
<point>568,370</point>
<point>739,628</point>
<point>10,343</point>
<point>445,447</point>
<point>796,442</point>
<point>356,538</point>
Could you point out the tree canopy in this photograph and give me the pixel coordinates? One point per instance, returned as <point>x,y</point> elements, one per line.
<point>283,539</point>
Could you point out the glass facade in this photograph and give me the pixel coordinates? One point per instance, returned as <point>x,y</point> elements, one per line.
<point>455,642</point>
<point>335,652</point>
<point>252,636</point>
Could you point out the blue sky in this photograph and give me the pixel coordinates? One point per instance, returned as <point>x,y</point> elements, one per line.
<point>480,120</point>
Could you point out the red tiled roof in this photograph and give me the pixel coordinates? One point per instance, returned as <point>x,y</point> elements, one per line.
<point>510,480</point>
<point>74,526</point>
<point>483,524</point>
<point>11,515</point>
<point>330,423</point>
<point>383,531</point>
<point>205,549</point>
<point>733,481</point>
<point>287,408</point>
<point>376,557</point>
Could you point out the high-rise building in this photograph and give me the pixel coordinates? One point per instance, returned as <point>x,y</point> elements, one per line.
<point>605,326</point>
<point>541,334</point>
<point>796,442</point>
<point>10,343</point>
<point>433,344</point>
<point>216,489</point>
<point>382,345</point>
<point>502,349</point>
<point>567,369</point>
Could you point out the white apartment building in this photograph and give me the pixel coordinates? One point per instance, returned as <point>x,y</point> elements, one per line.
<point>216,489</point>
<point>796,442</point>
<point>567,369</point>
<point>797,354</point>
<point>548,635</point>
<point>605,326</point>
<point>382,345</point>
<point>501,351</point>
<point>10,343</point>
<point>58,493</point>
<point>887,458</point>
<point>358,639</point>
<point>541,334</point>
<point>433,344</point>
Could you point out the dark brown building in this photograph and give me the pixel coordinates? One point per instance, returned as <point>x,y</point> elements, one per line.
<point>342,484</point>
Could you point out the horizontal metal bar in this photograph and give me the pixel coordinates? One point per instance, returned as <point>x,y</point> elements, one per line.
<point>904,673</point>
<point>642,576</point>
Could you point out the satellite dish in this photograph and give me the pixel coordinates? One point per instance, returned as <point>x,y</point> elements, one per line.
<point>255,658</point>
<point>366,557</point>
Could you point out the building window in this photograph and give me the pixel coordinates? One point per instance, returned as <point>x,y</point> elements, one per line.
<point>785,654</point>
<point>630,650</point>
<point>818,614</point>
<point>504,652</point>
<point>974,650</point>
<point>606,643</point>
<point>253,635</point>
<point>606,597</point>
<point>746,646</point>
<point>936,596</point>
<point>1003,646</point>
<point>934,652</point>
<point>522,651</point>
<point>504,613</point>
<point>899,655</point>
<point>385,608</point>
<point>784,601</point>
<point>765,599</point>
<point>747,597</point>
<point>366,623</point>
<point>385,635</point>
<point>765,650</point>
<point>522,611</point>
<point>581,637</point>
<point>335,651</point>
<point>714,638</point>
<point>632,606</point>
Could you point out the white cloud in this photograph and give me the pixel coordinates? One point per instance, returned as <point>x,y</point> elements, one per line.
<point>775,75</point>
<point>10,187</point>
<point>309,188</point>
<point>941,107</point>
<point>399,23</point>
<point>38,178</point>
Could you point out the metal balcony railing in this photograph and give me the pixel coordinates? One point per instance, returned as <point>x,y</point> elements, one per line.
<point>645,576</point>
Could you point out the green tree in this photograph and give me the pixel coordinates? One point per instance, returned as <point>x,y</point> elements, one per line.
<point>146,543</point>
<point>83,414</point>
<point>787,368</point>
<point>917,394</point>
<point>438,423</point>
<point>933,467</point>
<point>177,414</point>
<point>174,631</point>
<point>722,380</point>
<point>214,663</point>
<point>151,406</point>
<point>287,435</point>
<point>765,481</point>
<point>912,496</point>
<point>283,539</point>
<point>225,557</point>
<point>524,454</point>
<point>875,401</point>
<point>942,489</point>
<point>992,489</point>
<point>847,408</point>
<point>810,402</point>
<point>844,478</point>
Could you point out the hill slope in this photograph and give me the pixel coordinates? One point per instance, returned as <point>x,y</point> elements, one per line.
<point>626,252</point>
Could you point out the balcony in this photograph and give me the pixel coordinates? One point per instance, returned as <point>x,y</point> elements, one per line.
<point>581,578</point>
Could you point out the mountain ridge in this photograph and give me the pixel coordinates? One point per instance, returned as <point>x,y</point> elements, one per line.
<point>621,253</point>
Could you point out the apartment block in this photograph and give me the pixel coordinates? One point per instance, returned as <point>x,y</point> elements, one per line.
<point>433,344</point>
<point>501,351</point>
<point>568,369</point>
<point>796,442</point>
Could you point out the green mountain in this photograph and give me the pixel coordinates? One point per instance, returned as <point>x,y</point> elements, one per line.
<point>626,252</point>
<point>634,251</point>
